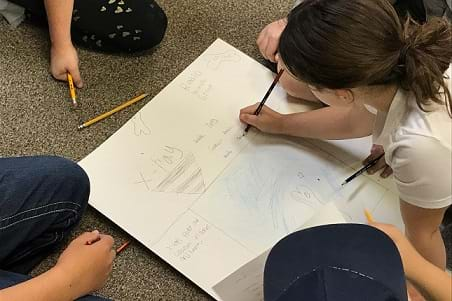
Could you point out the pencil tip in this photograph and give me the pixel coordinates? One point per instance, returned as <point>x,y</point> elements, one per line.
<point>343,184</point>
<point>80,127</point>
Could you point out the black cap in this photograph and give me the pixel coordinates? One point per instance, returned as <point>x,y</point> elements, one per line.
<point>341,262</point>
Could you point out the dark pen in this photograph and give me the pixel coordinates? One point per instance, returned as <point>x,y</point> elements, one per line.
<point>363,169</point>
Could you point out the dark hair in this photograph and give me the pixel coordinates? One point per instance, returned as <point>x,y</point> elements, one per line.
<point>352,43</point>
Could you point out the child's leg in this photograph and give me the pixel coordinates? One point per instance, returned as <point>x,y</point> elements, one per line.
<point>422,229</point>
<point>41,201</point>
<point>118,26</point>
<point>112,26</point>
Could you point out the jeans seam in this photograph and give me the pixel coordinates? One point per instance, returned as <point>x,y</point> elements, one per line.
<point>37,208</point>
<point>37,248</point>
<point>36,216</point>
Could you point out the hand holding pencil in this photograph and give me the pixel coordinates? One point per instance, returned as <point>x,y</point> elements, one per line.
<point>86,263</point>
<point>376,151</point>
<point>260,116</point>
<point>268,121</point>
<point>63,60</point>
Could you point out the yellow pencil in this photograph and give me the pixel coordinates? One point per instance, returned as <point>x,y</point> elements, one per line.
<point>72,89</point>
<point>117,109</point>
<point>368,215</point>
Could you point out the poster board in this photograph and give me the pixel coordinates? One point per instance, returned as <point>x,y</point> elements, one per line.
<point>182,179</point>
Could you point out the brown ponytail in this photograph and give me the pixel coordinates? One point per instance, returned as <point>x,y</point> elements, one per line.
<point>425,56</point>
<point>354,43</point>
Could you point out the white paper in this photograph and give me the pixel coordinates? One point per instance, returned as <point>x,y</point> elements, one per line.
<point>181,178</point>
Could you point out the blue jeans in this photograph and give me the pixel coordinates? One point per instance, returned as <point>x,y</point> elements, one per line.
<point>41,200</point>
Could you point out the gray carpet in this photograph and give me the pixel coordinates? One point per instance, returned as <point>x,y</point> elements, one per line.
<point>35,115</point>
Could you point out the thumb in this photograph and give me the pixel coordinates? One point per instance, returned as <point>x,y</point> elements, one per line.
<point>75,72</point>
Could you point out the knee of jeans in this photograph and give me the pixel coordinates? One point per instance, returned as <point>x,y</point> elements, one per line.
<point>72,177</point>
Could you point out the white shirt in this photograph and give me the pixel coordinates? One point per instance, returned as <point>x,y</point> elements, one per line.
<point>418,148</point>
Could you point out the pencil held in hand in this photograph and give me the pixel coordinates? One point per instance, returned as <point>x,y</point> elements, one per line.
<point>70,82</point>
<point>261,104</point>
<point>363,169</point>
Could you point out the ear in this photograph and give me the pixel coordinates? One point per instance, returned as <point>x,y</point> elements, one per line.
<point>345,95</point>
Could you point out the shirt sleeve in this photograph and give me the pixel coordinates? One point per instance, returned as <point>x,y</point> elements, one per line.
<point>422,171</point>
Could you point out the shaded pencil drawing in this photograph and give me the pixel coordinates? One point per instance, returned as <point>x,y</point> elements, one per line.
<point>173,172</point>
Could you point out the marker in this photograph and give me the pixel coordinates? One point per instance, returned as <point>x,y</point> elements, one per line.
<point>109,113</point>
<point>72,89</point>
<point>366,167</point>
<point>261,104</point>
<point>122,247</point>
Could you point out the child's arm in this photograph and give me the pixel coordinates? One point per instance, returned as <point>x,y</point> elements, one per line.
<point>51,285</point>
<point>434,283</point>
<point>80,270</point>
<point>325,123</point>
<point>63,56</point>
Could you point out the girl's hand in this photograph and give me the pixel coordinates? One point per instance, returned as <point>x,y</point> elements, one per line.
<point>86,263</point>
<point>267,121</point>
<point>64,59</point>
<point>268,40</point>
<point>381,164</point>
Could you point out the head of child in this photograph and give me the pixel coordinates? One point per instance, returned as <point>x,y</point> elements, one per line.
<point>348,51</point>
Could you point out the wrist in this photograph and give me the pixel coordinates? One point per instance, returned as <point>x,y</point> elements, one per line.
<point>61,43</point>
<point>63,280</point>
<point>283,125</point>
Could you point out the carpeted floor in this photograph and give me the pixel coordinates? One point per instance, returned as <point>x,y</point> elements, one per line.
<point>35,115</point>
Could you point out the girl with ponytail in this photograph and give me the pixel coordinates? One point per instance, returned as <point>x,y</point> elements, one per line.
<point>382,76</point>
